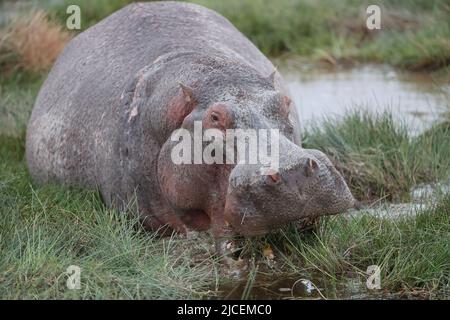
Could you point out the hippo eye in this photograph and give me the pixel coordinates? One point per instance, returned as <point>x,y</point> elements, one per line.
<point>214,117</point>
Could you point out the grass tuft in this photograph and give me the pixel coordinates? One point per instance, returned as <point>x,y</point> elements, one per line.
<point>412,252</point>
<point>378,157</point>
<point>32,43</point>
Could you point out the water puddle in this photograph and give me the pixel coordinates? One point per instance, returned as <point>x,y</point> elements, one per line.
<point>415,98</point>
<point>312,287</point>
<point>422,197</point>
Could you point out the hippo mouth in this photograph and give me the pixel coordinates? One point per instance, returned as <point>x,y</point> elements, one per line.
<point>239,219</point>
<point>246,221</point>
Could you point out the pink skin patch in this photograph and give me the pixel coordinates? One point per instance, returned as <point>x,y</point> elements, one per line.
<point>179,107</point>
<point>285,108</point>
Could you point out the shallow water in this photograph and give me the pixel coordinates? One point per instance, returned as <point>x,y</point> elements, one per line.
<point>308,286</point>
<point>415,98</point>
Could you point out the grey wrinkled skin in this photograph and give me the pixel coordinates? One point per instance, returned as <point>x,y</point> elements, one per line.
<point>104,117</point>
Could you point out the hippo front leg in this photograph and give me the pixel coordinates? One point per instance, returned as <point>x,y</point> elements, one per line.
<point>222,233</point>
<point>225,246</point>
<point>224,239</point>
<point>307,225</point>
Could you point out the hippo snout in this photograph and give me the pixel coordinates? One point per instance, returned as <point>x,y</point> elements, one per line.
<point>308,187</point>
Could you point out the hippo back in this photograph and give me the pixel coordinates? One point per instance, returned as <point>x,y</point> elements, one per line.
<point>68,129</point>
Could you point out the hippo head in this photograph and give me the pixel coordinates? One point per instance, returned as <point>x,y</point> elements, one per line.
<point>251,198</point>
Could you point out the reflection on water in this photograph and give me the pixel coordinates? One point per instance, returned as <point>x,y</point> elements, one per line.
<point>308,286</point>
<point>414,98</point>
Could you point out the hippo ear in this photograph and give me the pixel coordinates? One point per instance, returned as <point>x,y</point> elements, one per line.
<point>287,101</point>
<point>180,106</point>
<point>311,167</point>
<point>285,108</point>
<point>188,93</point>
<point>271,77</point>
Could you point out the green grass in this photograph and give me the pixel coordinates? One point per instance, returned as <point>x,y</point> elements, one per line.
<point>377,155</point>
<point>44,230</point>
<point>412,252</point>
<point>415,34</point>
<point>91,11</point>
<point>17,94</point>
<point>425,48</point>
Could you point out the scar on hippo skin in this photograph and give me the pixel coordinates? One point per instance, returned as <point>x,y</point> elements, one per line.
<point>136,92</point>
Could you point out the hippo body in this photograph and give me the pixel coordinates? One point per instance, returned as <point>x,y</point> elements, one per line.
<point>105,114</point>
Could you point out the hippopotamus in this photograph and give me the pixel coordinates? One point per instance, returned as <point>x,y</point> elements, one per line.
<point>105,117</point>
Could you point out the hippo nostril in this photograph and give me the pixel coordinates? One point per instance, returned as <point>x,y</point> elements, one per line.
<point>273,176</point>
